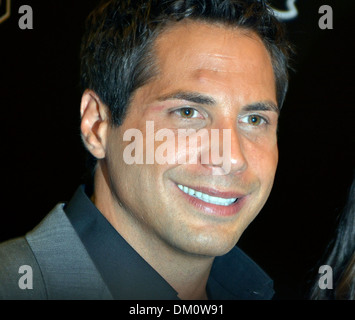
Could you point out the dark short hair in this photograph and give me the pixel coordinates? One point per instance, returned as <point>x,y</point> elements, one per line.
<point>117,54</point>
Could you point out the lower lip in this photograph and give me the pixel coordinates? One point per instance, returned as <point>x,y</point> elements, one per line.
<point>214,209</point>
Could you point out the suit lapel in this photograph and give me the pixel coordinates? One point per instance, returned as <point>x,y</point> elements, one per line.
<point>67,269</point>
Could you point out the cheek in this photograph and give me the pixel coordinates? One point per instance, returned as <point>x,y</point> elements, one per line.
<point>165,148</point>
<point>268,171</point>
<point>263,161</point>
<point>132,164</point>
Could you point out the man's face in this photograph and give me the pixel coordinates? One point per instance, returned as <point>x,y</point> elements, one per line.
<point>210,77</point>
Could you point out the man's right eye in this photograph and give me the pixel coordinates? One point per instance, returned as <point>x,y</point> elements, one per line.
<point>188,113</point>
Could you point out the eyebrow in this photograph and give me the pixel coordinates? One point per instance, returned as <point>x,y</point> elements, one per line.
<point>262,106</point>
<point>194,97</point>
<point>199,98</point>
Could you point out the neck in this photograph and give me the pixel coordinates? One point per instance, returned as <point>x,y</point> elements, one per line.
<point>185,272</point>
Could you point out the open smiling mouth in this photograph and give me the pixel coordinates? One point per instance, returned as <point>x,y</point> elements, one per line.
<point>208,198</point>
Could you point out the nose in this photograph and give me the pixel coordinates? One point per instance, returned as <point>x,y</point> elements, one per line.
<point>227,155</point>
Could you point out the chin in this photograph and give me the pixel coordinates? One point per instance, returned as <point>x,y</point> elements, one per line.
<point>211,246</point>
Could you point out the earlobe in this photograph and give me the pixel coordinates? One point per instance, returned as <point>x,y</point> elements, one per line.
<point>94,121</point>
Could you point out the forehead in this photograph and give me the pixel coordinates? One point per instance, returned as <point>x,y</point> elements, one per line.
<point>213,54</point>
<point>213,38</point>
<point>229,64</point>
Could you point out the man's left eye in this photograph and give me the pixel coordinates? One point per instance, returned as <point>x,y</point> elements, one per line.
<point>254,120</point>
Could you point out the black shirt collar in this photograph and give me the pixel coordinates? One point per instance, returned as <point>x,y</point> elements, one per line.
<point>129,276</point>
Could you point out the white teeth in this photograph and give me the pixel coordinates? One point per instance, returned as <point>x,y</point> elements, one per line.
<point>206,197</point>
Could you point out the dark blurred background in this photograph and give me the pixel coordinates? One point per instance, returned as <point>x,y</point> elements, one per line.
<point>42,158</point>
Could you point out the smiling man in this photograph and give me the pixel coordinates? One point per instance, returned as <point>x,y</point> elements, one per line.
<point>166,230</point>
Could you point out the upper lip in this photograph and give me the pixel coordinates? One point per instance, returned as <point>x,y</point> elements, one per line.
<point>215,192</point>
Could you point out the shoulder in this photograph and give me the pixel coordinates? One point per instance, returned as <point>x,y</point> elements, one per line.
<point>62,268</point>
<point>19,271</point>
<point>19,260</point>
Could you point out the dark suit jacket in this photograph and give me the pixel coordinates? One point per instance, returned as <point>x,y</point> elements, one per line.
<point>62,268</point>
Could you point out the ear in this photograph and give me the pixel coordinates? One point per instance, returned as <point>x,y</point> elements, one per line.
<point>94,124</point>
